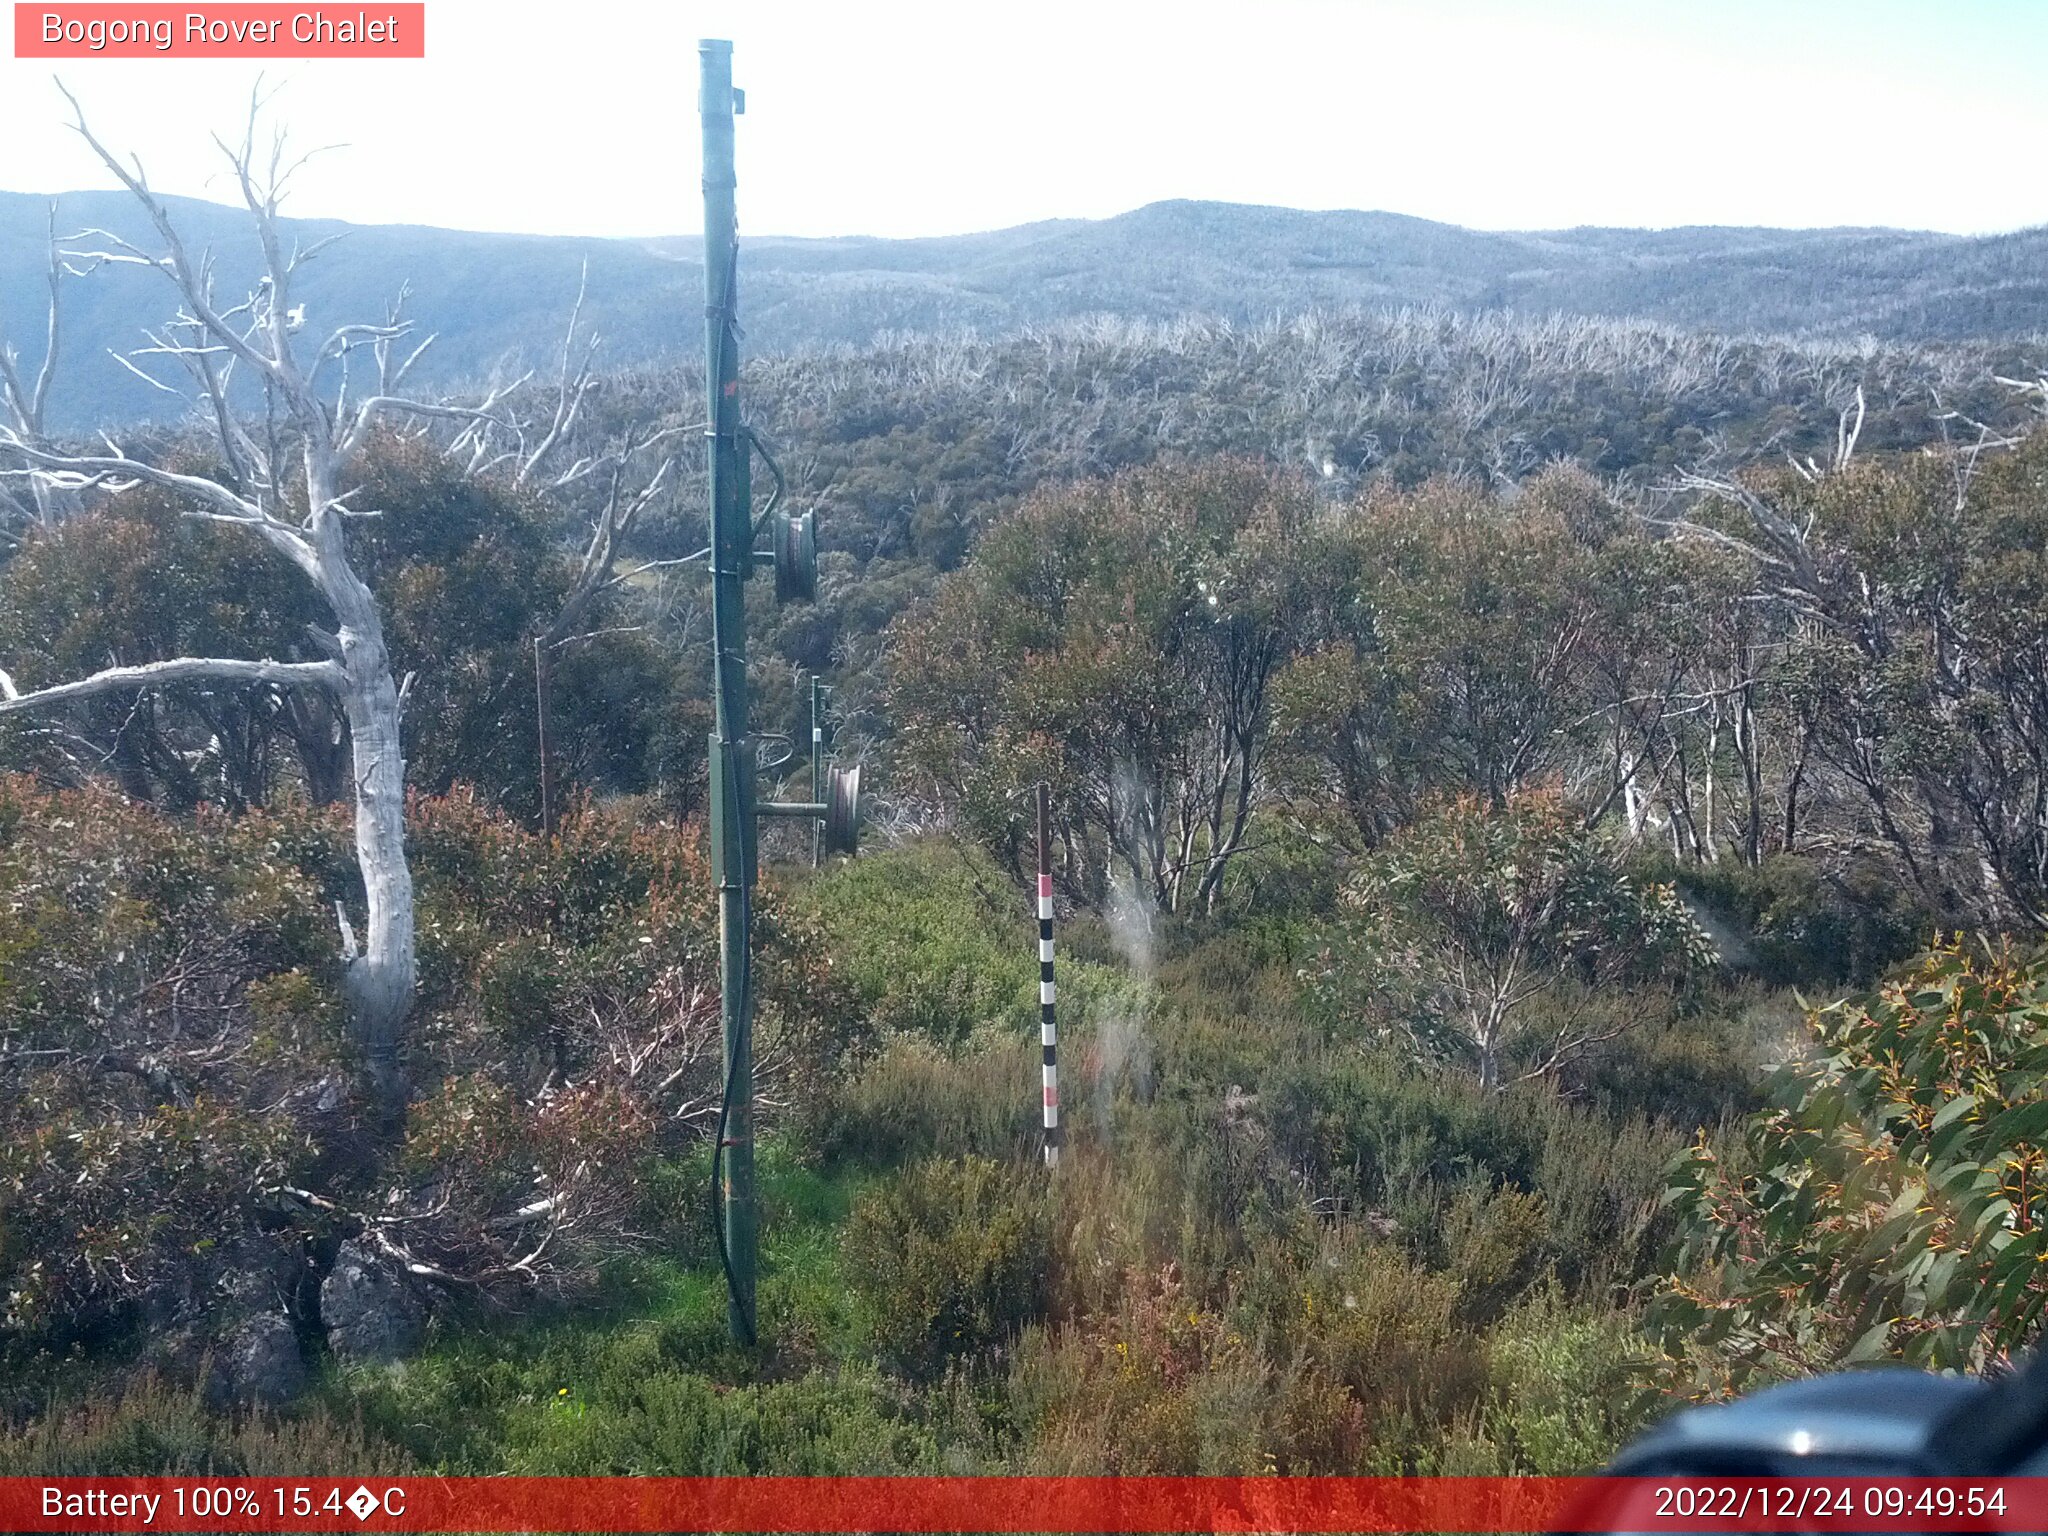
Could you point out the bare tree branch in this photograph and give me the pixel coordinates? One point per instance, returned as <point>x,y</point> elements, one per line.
<point>322,674</point>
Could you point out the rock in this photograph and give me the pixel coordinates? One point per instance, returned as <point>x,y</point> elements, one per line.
<point>255,1273</point>
<point>370,1310</point>
<point>185,1354</point>
<point>264,1365</point>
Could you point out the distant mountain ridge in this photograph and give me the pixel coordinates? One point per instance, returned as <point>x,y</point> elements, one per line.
<point>501,300</point>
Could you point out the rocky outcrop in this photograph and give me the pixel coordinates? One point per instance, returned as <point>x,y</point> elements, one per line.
<point>370,1310</point>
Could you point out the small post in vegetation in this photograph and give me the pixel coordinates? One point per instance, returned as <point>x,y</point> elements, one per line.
<point>540,718</point>
<point>1048,1029</point>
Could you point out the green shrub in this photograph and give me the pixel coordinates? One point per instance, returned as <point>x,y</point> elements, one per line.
<point>154,1430</point>
<point>1495,1241</point>
<point>935,939</point>
<point>1385,1328</point>
<point>178,1062</point>
<point>916,1099</point>
<point>951,1259</point>
<point>165,986</point>
<point>1371,1133</point>
<point>1503,937</point>
<point>1696,1068</point>
<point>1600,1178</point>
<point>1798,925</point>
<point>1565,1391</point>
<point>677,1423</point>
<point>1140,1203</point>
<point>1155,1385</point>
<point>1395,1146</point>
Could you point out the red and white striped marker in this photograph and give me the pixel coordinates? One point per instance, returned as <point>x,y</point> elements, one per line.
<point>1048,1029</point>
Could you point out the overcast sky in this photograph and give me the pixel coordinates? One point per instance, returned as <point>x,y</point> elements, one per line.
<point>899,117</point>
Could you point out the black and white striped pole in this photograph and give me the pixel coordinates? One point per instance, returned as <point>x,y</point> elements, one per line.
<point>817,766</point>
<point>1048,1029</point>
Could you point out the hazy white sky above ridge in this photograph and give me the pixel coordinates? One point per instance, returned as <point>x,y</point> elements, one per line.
<point>903,117</point>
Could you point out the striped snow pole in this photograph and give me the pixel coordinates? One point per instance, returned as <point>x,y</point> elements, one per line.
<point>817,770</point>
<point>1048,1030</point>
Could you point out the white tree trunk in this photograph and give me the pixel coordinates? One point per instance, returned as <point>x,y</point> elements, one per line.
<point>380,978</point>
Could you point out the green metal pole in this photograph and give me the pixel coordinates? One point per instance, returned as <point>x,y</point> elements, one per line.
<point>732,768</point>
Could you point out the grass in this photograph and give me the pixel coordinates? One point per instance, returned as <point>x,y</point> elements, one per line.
<point>490,1399</point>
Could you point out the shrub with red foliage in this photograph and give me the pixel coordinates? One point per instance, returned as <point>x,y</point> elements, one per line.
<point>181,1139</point>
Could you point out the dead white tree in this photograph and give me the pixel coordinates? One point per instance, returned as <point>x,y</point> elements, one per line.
<point>26,402</point>
<point>287,483</point>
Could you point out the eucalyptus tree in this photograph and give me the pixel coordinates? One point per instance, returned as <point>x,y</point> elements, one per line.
<point>1914,598</point>
<point>1120,638</point>
<point>1504,938</point>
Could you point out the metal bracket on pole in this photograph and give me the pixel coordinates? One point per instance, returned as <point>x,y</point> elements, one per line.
<point>839,811</point>
<point>733,812</point>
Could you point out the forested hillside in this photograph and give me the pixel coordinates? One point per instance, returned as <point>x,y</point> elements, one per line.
<point>498,301</point>
<point>1519,789</point>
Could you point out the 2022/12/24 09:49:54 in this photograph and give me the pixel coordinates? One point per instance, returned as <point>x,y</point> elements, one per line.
<point>1819,1499</point>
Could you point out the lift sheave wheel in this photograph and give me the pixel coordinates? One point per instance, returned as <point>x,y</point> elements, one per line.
<point>842,811</point>
<point>796,557</point>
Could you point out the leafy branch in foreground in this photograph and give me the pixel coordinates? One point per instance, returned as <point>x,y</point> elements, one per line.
<point>1892,1203</point>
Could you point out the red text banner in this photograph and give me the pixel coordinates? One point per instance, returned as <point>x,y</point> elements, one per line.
<point>224,31</point>
<point>1019,1504</point>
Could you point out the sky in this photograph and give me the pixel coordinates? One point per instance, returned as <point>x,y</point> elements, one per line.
<point>902,117</point>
